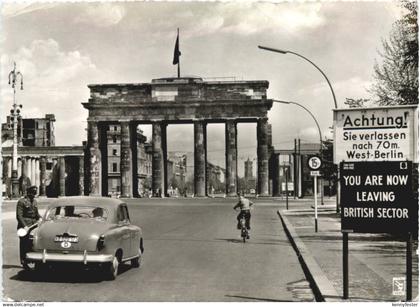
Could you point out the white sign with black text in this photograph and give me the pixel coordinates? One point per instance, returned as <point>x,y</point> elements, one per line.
<point>375,134</point>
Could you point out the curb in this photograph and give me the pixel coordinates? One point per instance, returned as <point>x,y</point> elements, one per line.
<point>322,287</point>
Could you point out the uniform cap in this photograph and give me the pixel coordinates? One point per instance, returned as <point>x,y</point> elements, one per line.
<point>31,188</point>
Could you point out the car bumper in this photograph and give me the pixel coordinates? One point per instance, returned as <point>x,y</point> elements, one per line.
<point>84,258</point>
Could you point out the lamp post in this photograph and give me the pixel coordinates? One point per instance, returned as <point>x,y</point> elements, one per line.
<point>281,51</point>
<point>15,113</point>
<point>317,124</point>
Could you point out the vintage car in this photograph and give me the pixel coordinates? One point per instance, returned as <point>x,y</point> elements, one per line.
<point>87,230</point>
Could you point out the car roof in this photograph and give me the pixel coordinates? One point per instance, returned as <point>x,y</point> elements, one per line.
<point>103,202</point>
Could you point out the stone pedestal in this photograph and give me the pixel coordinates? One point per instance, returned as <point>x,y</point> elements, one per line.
<point>262,156</point>
<point>126,160</point>
<point>199,159</point>
<point>231,158</point>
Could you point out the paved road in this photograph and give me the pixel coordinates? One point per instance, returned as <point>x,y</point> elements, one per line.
<point>193,253</point>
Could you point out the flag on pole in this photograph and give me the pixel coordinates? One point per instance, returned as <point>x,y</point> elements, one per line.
<point>177,53</point>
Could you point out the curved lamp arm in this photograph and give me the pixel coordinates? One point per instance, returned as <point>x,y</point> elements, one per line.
<point>307,110</point>
<point>301,56</point>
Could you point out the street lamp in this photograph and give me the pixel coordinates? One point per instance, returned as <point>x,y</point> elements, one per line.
<point>15,114</point>
<point>301,56</point>
<point>326,78</point>
<point>317,124</point>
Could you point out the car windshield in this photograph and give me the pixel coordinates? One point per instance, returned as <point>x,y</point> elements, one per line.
<point>77,212</point>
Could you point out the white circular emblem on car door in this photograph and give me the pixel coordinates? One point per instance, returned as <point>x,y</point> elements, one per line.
<point>65,244</point>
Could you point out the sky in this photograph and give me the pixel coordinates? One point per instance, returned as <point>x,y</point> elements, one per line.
<point>60,48</point>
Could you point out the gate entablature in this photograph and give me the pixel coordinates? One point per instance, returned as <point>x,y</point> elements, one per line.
<point>176,100</point>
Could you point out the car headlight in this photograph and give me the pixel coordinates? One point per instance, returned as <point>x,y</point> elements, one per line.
<point>101,243</point>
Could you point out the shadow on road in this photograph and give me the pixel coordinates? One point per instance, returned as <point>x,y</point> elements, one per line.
<point>256,298</point>
<point>274,242</point>
<point>11,266</point>
<point>65,274</point>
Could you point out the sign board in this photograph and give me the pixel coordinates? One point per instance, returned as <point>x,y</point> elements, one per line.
<point>377,197</point>
<point>314,163</point>
<point>315,173</point>
<point>376,134</point>
<point>290,186</point>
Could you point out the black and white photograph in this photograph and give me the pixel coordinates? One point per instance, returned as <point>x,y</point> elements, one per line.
<point>209,151</point>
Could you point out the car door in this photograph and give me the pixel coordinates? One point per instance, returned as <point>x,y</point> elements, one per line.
<point>124,231</point>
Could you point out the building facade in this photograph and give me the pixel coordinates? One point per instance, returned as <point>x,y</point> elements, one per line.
<point>143,161</point>
<point>31,131</point>
<point>55,170</point>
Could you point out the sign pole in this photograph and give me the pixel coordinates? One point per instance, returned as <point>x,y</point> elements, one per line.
<point>316,203</point>
<point>287,189</point>
<point>409,268</point>
<point>345,265</point>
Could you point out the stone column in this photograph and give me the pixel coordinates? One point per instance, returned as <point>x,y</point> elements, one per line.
<point>95,167</point>
<point>43,176</point>
<point>19,168</point>
<point>24,167</point>
<point>199,159</point>
<point>29,168</point>
<point>8,176</point>
<point>9,168</point>
<point>37,174</point>
<point>33,171</point>
<point>5,169</point>
<point>126,160</point>
<point>62,176</point>
<point>262,156</point>
<point>231,158</point>
<point>157,160</point>
<point>81,175</point>
<point>275,168</point>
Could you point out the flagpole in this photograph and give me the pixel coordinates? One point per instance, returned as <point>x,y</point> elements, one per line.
<point>179,70</point>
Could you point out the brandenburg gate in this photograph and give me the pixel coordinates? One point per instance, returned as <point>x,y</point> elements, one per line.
<point>172,101</point>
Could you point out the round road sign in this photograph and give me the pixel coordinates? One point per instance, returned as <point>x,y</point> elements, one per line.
<point>314,163</point>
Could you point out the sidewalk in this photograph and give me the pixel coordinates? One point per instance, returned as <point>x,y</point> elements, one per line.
<point>374,259</point>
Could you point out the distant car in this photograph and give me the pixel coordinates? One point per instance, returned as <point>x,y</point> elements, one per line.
<point>86,230</point>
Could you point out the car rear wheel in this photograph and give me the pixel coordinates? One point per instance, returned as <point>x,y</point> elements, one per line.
<point>113,269</point>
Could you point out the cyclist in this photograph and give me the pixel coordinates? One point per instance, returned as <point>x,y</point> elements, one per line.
<point>245,205</point>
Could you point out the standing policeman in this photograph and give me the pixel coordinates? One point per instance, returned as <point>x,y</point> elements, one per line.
<point>27,215</point>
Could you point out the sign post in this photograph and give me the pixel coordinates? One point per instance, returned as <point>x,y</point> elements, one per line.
<point>287,188</point>
<point>314,164</point>
<point>409,269</point>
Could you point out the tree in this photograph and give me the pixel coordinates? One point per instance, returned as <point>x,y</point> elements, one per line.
<point>356,103</point>
<point>329,169</point>
<point>396,77</point>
